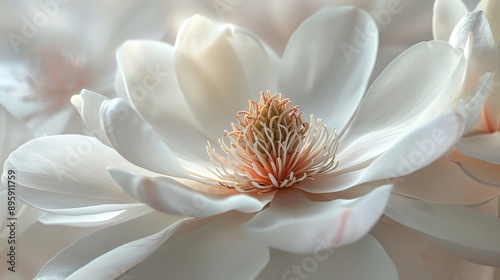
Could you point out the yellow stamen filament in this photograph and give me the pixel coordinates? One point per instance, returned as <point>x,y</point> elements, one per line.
<point>272,148</point>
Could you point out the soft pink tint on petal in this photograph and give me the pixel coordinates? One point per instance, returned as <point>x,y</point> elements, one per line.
<point>492,106</point>
<point>447,13</point>
<point>480,170</point>
<point>325,70</point>
<point>460,230</point>
<point>338,222</point>
<point>485,147</point>
<point>66,174</point>
<point>365,259</point>
<point>173,197</point>
<point>444,182</point>
<point>87,249</point>
<point>217,251</point>
<point>397,101</point>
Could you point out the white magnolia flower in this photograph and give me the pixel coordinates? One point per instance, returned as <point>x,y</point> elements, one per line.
<point>282,185</point>
<point>477,154</point>
<point>52,49</point>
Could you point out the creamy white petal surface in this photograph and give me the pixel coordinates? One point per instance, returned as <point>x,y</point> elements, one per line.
<point>365,259</point>
<point>326,70</point>
<point>460,230</point>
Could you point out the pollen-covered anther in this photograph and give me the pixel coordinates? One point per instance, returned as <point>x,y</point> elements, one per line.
<point>270,147</point>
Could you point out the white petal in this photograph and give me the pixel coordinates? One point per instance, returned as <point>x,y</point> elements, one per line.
<point>93,220</point>
<point>447,13</point>
<point>173,197</point>
<point>365,259</point>
<point>136,141</point>
<point>410,152</point>
<point>444,182</point>
<point>482,146</point>
<point>479,170</point>
<point>492,107</point>
<point>13,133</point>
<point>491,8</point>
<point>404,248</point>
<point>418,148</point>
<point>85,250</point>
<point>460,230</point>
<point>209,73</point>
<point>218,251</point>
<point>151,86</point>
<point>484,56</point>
<point>397,101</point>
<point>67,175</point>
<point>325,70</point>
<point>334,223</point>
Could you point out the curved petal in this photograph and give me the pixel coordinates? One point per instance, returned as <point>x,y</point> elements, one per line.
<point>479,170</point>
<point>404,248</point>
<point>457,229</point>
<point>135,139</point>
<point>152,89</point>
<point>13,133</point>
<point>397,101</point>
<point>325,70</point>
<point>444,182</point>
<point>447,13</point>
<point>492,107</point>
<point>67,175</point>
<point>334,223</point>
<point>173,197</point>
<point>418,148</point>
<point>491,8</point>
<point>482,146</point>
<point>85,250</point>
<point>216,251</point>
<point>484,56</point>
<point>210,74</point>
<point>365,259</point>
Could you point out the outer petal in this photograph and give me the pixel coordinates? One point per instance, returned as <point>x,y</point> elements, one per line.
<point>85,250</point>
<point>217,251</point>
<point>479,170</point>
<point>365,259</point>
<point>484,56</point>
<point>444,182</point>
<point>418,148</point>
<point>325,70</point>
<point>66,175</point>
<point>483,146</point>
<point>334,223</point>
<point>135,139</point>
<point>173,197</point>
<point>492,107</point>
<point>210,74</point>
<point>397,101</point>
<point>460,230</point>
<point>447,13</point>
<point>410,152</point>
<point>151,86</point>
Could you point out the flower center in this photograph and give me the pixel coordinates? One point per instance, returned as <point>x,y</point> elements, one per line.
<point>271,147</point>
